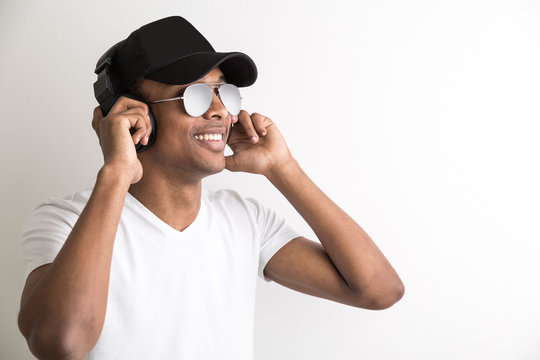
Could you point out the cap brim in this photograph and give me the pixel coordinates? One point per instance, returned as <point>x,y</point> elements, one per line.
<point>237,67</point>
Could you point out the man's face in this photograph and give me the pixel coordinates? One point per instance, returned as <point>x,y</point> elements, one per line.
<point>176,144</point>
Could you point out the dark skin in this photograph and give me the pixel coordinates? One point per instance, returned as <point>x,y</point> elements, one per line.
<point>63,304</point>
<point>176,163</point>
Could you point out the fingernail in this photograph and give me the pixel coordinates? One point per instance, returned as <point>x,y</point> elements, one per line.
<point>254,139</point>
<point>264,133</point>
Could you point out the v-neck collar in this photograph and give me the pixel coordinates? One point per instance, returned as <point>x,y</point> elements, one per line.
<point>155,219</point>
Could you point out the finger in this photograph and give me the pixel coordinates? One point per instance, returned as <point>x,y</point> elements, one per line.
<point>141,122</point>
<point>148,132</point>
<point>141,125</point>
<point>259,122</point>
<point>239,135</point>
<point>136,114</point>
<point>124,103</point>
<point>136,119</point>
<point>230,163</point>
<point>245,120</point>
<point>233,136</point>
<point>146,135</point>
<point>98,115</point>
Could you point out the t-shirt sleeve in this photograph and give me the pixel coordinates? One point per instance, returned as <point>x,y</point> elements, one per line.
<point>44,234</point>
<point>274,232</point>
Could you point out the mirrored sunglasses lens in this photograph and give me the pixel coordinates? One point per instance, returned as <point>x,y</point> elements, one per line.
<point>230,96</point>
<point>197,99</point>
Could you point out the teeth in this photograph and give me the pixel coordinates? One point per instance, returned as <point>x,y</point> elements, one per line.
<point>207,137</point>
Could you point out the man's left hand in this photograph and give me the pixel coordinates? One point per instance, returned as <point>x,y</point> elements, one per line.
<point>257,144</point>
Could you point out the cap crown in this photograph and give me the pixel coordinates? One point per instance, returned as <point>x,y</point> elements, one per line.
<point>154,46</point>
<point>169,39</point>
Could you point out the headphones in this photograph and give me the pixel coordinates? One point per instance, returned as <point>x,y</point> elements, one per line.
<point>106,95</point>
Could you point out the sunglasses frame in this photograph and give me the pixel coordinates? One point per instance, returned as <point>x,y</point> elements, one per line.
<point>212,87</point>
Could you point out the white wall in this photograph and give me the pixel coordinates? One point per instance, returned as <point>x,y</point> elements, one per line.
<point>420,118</point>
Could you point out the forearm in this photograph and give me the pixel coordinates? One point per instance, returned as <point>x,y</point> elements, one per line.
<point>70,299</point>
<point>353,252</point>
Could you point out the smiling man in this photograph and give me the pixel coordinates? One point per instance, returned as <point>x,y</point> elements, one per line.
<point>149,265</point>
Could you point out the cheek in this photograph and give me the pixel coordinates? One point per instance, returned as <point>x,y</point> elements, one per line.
<point>171,130</point>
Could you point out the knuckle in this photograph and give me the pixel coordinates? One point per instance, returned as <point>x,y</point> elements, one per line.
<point>121,100</point>
<point>142,111</point>
<point>96,121</point>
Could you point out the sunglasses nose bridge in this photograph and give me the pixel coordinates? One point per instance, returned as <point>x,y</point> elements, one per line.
<point>216,105</point>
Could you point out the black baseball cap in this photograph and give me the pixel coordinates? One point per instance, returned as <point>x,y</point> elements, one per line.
<point>172,51</point>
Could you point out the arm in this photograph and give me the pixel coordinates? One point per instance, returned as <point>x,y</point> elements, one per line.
<point>62,314</point>
<point>354,254</point>
<point>63,303</point>
<point>348,267</point>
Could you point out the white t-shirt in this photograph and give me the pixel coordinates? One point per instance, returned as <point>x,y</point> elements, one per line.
<point>172,295</point>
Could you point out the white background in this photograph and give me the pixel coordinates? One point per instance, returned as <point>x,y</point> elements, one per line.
<point>419,118</point>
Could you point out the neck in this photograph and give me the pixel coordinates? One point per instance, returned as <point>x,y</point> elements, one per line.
<point>175,201</point>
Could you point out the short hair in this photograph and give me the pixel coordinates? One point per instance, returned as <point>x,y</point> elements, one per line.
<point>136,89</point>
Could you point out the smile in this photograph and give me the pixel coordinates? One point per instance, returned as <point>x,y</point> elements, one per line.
<point>209,137</point>
<point>211,141</point>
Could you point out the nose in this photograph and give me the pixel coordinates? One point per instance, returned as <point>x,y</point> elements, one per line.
<point>216,109</point>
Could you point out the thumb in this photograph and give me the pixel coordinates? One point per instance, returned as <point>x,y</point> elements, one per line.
<point>231,164</point>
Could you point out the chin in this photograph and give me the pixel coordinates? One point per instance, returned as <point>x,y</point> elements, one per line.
<point>212,168</point>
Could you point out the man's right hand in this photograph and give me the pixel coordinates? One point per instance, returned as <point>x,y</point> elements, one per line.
<point>117,144</point>
<point>63,305</point>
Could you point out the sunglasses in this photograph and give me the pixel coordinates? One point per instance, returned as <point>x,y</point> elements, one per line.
<point>198,97</point>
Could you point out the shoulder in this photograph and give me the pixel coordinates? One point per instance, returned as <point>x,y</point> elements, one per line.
<point>75,201</point>
<point>231,203</point>
<point>63,208</point>
<point>229,198</point>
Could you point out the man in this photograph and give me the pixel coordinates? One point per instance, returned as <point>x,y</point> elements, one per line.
<point>147,264</point>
